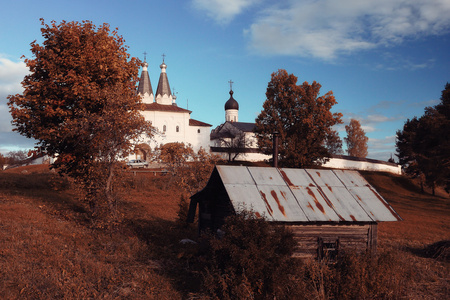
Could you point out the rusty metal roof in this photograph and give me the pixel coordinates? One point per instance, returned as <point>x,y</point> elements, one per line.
<point>305,195</point>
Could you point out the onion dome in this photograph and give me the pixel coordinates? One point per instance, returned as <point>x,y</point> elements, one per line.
<point>231,103</point>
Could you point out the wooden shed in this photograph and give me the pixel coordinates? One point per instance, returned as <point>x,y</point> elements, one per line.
<point>327,210</point>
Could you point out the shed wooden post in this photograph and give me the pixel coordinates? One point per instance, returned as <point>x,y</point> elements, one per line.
<point>373,237</point>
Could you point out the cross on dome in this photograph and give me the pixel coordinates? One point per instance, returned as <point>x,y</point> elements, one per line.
<point>231,84</point>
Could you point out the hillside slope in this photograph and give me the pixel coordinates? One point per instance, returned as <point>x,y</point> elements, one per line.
<point>49,249</point>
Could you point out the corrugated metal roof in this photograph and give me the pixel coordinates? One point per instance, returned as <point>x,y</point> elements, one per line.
<point>305,195</point>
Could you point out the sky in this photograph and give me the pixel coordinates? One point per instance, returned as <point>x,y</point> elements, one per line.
<point>384,60</point>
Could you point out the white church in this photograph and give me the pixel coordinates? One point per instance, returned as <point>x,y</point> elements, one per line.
<point>172,123</point>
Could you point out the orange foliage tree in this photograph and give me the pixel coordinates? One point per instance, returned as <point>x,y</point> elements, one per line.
<point>356,139</point>
<point>301,116</point>
<point>190,170</point>
<point>80,103</point>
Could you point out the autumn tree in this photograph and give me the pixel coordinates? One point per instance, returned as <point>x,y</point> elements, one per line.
<point>301,116</point>
<point>188,169</point>
<point>333,143</point>
<point>15,157</point>
<point>356,139</point>
<point>423,145</point>
<point>175,156</point>
<point>80,103</point>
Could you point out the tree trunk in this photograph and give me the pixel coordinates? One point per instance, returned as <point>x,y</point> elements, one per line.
<point>108,190</point>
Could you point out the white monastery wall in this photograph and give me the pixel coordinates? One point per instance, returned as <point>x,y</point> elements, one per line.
<point>340,163</point>
<point>198,137</point>
<point>177,129</point>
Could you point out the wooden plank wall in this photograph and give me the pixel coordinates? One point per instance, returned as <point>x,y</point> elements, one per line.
<point>355,237</point>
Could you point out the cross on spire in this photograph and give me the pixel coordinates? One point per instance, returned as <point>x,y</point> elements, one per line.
<point>231,84</point>
<point>145,56</point>
<point>164,56</point>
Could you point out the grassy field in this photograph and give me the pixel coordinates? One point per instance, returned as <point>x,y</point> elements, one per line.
<point>49,249</point>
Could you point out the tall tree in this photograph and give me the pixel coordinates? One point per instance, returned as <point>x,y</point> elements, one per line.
<point>301,116</point>
<point>16,157</point>
<point>356,139</point>
<point>175,156</point>
<point>423,145</point>
<point>80,103</point>
<point>334,143</point>
<point>189,170</point>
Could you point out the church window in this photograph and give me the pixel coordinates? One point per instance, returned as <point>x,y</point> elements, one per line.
<point>198,130</point>
<point>164,128</point>
<point>178,128</point>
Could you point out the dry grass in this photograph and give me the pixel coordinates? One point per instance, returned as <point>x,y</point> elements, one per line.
<point>422,238</point>
<point>50,250</point>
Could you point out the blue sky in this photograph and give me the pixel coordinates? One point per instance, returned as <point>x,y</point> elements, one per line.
<point>384,60</point>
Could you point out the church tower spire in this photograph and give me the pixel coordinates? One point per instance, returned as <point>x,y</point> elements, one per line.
<point>145,86</point>
<point>163,93</point>
<point>231,107</point>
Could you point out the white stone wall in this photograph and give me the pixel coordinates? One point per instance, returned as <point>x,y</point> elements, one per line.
<point>169,121</point>
<point>198,137</point>
<point>232,115</point>
<point>146,98</point>
<point>185,133</point>
<point>253,157</point>
<point>340,163</point>
<point>251,142</point>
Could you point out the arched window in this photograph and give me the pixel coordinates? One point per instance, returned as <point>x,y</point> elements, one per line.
<point>198,130</point>
<point>164,128</point>
<point>178,128</point>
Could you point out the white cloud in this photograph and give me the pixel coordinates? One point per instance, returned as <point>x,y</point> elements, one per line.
<point>326,28</point>
<point>223,11</point>
<point>11,76</point>
<point>382,144</point>
<point>377,118</point>
<point>431,102</point>
<point>399,62</point>
<point>382,149</point>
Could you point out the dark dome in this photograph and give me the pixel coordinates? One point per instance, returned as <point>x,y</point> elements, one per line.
<point>231,103</point>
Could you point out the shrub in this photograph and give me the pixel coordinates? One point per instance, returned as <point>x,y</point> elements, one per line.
<point>252,259</point>
<point>357,276</point>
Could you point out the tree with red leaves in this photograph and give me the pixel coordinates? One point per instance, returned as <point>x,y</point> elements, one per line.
<point>356,139</point>
<point>302,117</point>
<point>80,103</point>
